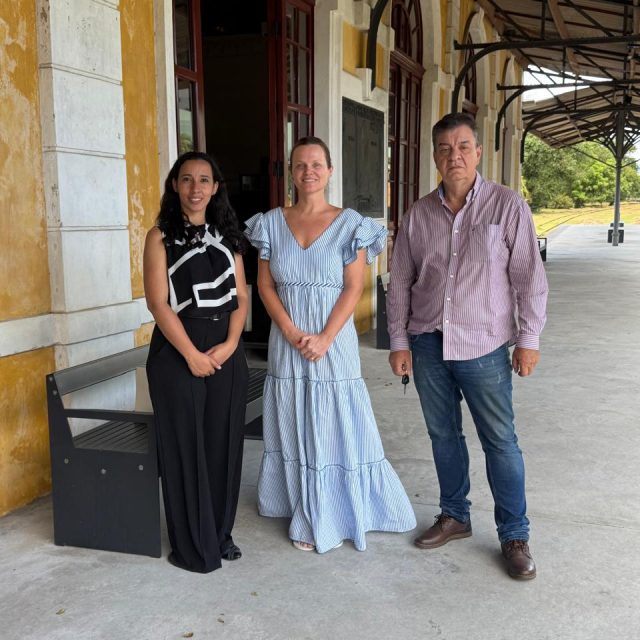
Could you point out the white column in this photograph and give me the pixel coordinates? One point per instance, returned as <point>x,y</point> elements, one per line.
<point>82,116</point>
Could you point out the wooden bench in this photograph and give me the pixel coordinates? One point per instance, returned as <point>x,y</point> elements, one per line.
<point>105,480</point>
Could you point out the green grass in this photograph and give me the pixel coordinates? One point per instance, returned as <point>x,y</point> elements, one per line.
<point>548,219</point>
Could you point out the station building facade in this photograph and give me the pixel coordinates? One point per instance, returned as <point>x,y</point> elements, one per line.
<point>100,96</point>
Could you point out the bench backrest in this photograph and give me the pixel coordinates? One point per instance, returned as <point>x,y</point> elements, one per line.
<point>90,373</point>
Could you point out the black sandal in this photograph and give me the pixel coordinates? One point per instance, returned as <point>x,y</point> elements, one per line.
<point>231,552</point>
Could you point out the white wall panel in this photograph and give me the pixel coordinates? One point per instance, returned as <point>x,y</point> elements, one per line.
<point>88,113</point>
<point>95,268</point>
<point>85,35</point>
<point>92,190</point>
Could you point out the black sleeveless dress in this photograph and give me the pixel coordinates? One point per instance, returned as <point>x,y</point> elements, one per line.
<point>199,421</point>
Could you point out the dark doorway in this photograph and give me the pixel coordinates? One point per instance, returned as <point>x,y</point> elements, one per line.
<point>405,92</point>
<point>244,79</point>
<point>235,62</point>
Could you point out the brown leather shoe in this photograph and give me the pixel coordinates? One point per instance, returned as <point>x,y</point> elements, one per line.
<point>445,528</point>
<point>520,564</point>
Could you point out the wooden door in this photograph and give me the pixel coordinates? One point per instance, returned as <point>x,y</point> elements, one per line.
<point>291,87</point>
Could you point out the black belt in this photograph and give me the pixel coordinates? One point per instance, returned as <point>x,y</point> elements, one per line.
<point>214,316</point>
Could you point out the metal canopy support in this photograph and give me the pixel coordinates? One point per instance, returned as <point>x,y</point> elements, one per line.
<point>372,39</point>
<point>619,157</point>
<point>577,113</point>
<point>520,89</point>
<point>487,48</point>
<point>592,46</point>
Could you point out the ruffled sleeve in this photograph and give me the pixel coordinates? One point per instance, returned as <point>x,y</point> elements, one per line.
<point>258,235</point>
<point>368,235</point>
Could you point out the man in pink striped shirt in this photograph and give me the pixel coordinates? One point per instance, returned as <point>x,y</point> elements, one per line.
<point>466,283</point>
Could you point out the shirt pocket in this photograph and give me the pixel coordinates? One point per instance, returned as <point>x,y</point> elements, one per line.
<point>485,242</point>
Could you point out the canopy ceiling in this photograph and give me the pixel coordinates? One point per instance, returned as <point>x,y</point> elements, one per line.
<point>598,40</point>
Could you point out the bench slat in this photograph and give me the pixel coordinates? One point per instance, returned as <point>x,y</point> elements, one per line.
<point>104,433</point>
<point>115,436</point>
<point>256,383</point>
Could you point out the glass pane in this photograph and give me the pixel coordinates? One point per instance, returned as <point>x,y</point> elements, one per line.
<point>290,22</point>
<point>412,167</point>
<point>390,187</point>
<point>302,28</point>
<point>402,150</point>
<point>303,125</point>
<point>291,74</point>
<point>412,124</point>
<point>303,77</point>
<point>402,132</point>
<point>392,115</point>
<point>290,138</point>
<point>182,34</point>
<point>186,116</point>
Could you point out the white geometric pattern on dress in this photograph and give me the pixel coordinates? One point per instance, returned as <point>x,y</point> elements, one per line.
<point>181,297</point>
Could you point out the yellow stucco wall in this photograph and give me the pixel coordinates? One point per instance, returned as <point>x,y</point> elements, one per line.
<point>143,335</point>
<point>23,225</point>
<point>362,313</point>
<point>140,122</point>
<point>467,7</point>
<point>355,54</point>
<point>24,437</point>
<point>351,48</point>
<point>444,12</point>
<point>24,440</point>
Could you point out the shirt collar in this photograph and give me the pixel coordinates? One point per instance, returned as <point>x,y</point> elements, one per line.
<point>479,181</point>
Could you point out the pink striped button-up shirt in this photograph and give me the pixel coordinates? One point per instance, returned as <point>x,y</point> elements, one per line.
<point>476,275</point>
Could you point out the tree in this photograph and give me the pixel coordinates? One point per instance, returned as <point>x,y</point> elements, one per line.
<point>595,183</point>
<point>547,172</point>
<point>578,175</point>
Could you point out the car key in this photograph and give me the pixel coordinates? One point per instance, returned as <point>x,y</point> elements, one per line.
<point>405,382</point>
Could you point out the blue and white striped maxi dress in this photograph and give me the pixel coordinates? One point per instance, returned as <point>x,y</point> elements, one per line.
<point>323,465</point>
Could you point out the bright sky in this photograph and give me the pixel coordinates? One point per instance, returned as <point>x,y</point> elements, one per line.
<point>543,94</point>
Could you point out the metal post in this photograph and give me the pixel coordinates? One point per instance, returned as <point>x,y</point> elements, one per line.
<point>619,157</point>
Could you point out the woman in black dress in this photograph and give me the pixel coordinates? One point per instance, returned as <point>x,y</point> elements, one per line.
<point>195,288</point>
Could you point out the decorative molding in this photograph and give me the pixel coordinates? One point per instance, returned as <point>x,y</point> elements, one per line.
<point>165,88</point>
<point>110,4</point>
<point>80,72</point>
<point>64,228</point>
<point>54,329</point>
<point>83,152</point>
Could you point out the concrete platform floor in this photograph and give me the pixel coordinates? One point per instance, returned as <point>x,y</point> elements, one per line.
<point>579,426</point>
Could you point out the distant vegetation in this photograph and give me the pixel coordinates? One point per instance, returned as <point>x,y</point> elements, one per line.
<point>573,176</point>
<point>548,219</point>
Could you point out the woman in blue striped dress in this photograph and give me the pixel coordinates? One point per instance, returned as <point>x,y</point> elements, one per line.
<point>323,465</point>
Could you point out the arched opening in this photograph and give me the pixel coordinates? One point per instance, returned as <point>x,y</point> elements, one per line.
<point>470,102</point>
<point>405,91</point>
<point>507,135</point>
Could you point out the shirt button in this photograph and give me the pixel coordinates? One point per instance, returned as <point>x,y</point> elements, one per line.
<point>451,275</point>
<point>448,299</point>
<point>454,253</point>
<point>456,231</point>
<point>447,321</point>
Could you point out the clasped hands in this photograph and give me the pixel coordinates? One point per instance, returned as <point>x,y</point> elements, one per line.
<point>203,364</point>
<point>311,346</point>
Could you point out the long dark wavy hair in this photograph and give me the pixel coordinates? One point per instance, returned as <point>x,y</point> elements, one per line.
<point>219,212</point>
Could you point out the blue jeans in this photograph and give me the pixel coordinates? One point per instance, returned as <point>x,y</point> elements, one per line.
<point>485,384</point>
